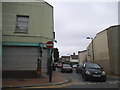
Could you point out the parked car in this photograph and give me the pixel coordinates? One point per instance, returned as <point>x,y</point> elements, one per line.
<point>74,66</point>
<point>79,68</point>
<point>93,71</point>
<point>66,68</point>
<point>59,65</point>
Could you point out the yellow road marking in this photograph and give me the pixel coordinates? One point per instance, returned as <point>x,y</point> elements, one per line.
<point>56,86</point>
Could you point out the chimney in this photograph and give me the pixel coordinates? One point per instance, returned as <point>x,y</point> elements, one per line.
<point>73,53</point>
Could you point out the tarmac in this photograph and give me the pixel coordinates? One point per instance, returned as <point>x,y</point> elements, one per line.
<point>58,80</point>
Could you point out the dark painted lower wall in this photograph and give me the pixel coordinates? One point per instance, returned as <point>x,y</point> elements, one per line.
<point>19,74</point>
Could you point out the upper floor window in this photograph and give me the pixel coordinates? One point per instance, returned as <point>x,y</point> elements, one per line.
<point>22,24</point>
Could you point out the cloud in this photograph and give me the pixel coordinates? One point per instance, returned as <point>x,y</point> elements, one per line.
<point>77,20</point>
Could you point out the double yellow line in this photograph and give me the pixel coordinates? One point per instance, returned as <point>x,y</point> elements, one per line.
<point>55,86</point>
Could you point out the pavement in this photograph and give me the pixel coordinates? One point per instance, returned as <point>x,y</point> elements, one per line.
<point>58,79</point>
<point>114,77</point>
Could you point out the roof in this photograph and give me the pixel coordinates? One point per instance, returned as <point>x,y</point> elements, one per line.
<point>48,3</point>
<point>65,57</point>
<point>108,28</point>
<point>74,56</point>
<point>82,51</point>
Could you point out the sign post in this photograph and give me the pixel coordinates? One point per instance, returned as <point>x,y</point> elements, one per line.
<point>50,46</point>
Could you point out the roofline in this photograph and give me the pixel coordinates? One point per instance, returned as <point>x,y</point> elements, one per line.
<point>103,31</point>
<point>24,1</point>
<point>82,51</point>
<point>107,28</point>
<point>65,56</point>
<point>48,4</point>
<point>73,55</point>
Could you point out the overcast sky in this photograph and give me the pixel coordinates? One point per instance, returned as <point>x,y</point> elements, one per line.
<point>74,21</point>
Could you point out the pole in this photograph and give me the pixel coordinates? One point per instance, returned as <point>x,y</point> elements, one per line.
<point>50,61</point>
<point>50,66</point>
<point>39,67</point>
<point>92,49</point>
<point>39,62</point>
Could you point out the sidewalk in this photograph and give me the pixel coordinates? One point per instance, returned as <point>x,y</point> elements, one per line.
<point>58,78</point>
<point>112,76</point>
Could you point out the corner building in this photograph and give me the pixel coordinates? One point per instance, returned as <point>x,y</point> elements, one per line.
<point>26,28</point>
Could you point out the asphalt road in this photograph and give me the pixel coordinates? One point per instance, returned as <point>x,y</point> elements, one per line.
<point>78,82</point>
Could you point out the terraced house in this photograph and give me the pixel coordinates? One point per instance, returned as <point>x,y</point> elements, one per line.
<point>27,27</point>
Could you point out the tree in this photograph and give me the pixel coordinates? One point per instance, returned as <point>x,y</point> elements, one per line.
<point>56,54</point>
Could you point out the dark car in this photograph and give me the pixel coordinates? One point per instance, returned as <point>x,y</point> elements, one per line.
<point>93,71</point>
<point>66,68</point>
<point>79,68</point>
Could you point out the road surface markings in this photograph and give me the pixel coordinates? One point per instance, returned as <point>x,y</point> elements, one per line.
<point>84,83</point>
<point>56,86</point>
<point>89,83</point>
<point>69,84</point>
<point>94,83</point>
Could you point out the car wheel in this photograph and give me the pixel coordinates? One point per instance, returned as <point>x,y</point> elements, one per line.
<point>82,75</point>
<point>85,79</point>
<point>104,80</point>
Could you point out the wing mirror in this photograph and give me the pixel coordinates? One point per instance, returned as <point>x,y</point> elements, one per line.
<point>77,65</point>
<point>83,66</point>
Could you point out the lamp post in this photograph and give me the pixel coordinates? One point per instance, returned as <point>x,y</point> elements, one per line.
<point>92,47</point>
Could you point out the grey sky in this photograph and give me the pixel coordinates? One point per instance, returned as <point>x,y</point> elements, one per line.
<point>74,21</point>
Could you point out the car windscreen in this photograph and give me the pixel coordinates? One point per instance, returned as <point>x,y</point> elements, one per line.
<point>66,65</point>
<point>93,66</point>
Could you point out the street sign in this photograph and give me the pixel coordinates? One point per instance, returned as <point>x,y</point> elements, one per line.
<point>49,44</point>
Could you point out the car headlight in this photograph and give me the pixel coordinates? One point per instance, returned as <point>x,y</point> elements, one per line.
<point>103,73</point>
<point>87,72</point>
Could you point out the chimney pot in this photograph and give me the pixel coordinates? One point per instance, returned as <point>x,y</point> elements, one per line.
<point>73,53</point>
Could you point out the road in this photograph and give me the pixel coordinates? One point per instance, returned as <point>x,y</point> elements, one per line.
<point>78,82</point>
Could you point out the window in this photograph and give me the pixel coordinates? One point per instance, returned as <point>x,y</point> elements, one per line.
<point>22,24</point>
<point>93,66</point>
<point>89,52</point>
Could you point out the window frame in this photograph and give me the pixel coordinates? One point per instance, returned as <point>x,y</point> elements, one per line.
<point>17,30</point>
